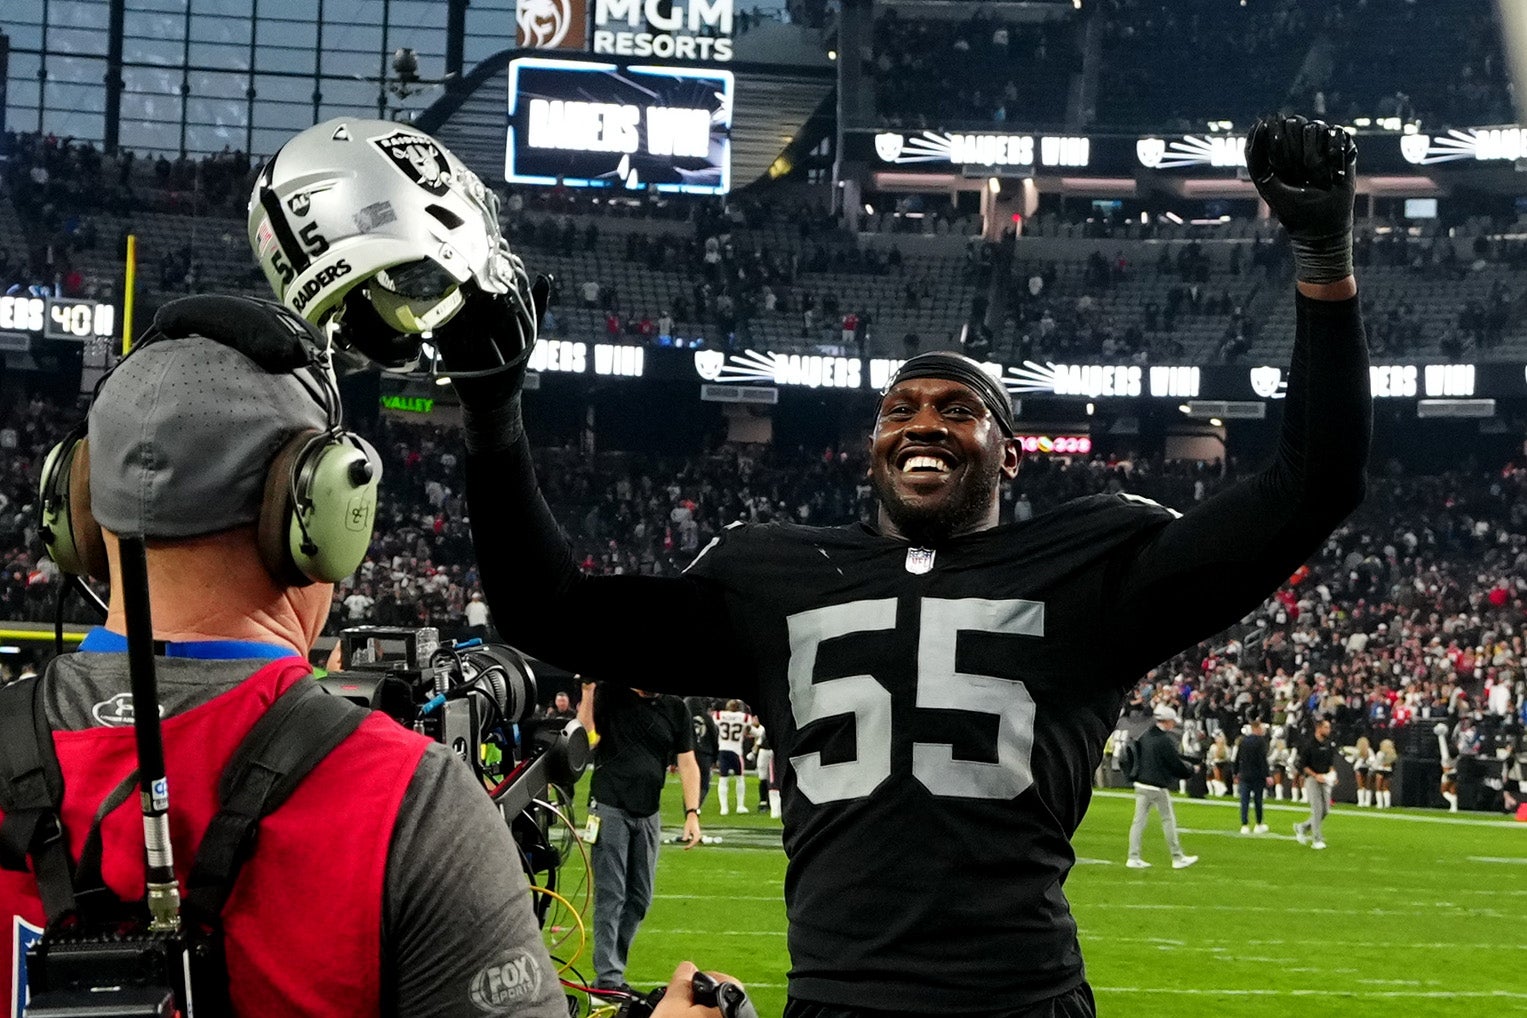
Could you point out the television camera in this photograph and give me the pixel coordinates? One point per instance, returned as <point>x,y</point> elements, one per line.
<point>477,700</point>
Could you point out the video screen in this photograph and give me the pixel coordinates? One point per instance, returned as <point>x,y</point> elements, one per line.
<point>588,124</point>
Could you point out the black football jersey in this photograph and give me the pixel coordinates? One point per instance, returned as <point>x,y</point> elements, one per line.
<point>937,715</point>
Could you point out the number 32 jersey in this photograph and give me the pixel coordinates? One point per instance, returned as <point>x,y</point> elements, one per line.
<point>937,716</point>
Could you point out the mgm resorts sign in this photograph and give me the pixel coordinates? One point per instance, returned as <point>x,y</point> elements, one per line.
<point>664,29</point>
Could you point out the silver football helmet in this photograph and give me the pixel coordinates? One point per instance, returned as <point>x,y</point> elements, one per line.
<point>382,206</point>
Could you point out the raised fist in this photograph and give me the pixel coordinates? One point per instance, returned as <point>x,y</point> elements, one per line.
<point>1306,172</point>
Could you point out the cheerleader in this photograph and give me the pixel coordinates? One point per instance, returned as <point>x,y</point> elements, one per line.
<point>1361,758</point>
<point>1449,784</point>
<point>1219,766</point>
<point>1192,751</point>
<point>1294,776</point>
<point>1277,763</point>
<point>1382,768</point>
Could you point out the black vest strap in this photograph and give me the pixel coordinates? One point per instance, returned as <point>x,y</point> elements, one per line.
<point>294,735</point>
<point>32,795</point>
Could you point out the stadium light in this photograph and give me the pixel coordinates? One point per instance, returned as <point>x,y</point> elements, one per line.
<point>1216,422</point>
<point>994,185</point>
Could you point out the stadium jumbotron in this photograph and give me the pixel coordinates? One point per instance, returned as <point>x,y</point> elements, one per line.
<point>881,499</point>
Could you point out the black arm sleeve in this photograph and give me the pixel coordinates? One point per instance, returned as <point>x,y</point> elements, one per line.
<point>1206,570</point>
<point>673,631</point>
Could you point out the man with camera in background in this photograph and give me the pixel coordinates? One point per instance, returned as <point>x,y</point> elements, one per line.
<point>388,883</point>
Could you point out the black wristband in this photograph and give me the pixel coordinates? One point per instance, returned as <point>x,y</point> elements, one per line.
<point>491,420</point>
<point>1323,259</point>
<point>693,809</point>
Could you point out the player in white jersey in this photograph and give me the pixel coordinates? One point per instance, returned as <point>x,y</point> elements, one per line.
<point>733,724</point>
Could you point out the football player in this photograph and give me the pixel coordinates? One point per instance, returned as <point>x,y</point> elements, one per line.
<point>732,723</point>
<point>934,684</point>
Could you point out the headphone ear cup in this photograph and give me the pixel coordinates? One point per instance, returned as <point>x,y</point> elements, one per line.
<point>277,511</point>
<point>321,535</point>
<point>89,545</point>
<point>69,531</point>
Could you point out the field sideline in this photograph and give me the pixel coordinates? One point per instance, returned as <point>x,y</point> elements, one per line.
<point>1408,912</point>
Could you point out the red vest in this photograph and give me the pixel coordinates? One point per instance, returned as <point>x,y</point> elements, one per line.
<point>304,923</point>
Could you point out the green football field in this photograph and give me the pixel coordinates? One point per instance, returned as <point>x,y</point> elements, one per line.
<point>1408,912</point>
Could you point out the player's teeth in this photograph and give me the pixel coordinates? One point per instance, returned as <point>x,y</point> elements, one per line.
<point>924,463</point>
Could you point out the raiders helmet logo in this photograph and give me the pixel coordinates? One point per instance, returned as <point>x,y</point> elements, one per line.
<point>418,158</point>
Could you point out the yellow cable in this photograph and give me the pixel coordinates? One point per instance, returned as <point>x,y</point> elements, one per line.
<point>583,936</point>
<point>588,888</point>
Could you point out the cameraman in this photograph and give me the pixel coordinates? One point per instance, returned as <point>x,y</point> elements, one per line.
<point>388,884</point>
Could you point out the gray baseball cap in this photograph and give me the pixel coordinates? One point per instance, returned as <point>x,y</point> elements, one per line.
<point>183,433</point>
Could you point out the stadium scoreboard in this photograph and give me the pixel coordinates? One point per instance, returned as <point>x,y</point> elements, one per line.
<point>58,317</point>
<point>596,124</point>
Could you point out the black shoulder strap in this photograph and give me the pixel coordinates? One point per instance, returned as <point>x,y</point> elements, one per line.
<point>295,734</point>
<point>32,795</point>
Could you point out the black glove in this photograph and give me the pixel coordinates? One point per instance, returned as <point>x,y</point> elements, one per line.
<point>484,349</point>
<point>1306,172</point>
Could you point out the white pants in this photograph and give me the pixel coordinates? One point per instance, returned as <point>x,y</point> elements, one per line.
<point>1146,797</point>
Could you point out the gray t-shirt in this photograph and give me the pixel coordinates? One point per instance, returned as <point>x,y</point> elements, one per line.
<point>458,934</point>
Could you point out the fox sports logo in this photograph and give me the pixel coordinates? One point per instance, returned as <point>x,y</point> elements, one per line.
<point>543,24</point>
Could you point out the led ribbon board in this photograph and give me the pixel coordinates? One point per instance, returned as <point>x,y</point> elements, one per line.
<point>587,124</point>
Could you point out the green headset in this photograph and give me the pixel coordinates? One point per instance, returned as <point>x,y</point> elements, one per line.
<point>319,503</point>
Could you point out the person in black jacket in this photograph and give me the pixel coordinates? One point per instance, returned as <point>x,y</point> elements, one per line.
<point>1252,771</point>
<point>707,740</point>
<point>1158,767</point>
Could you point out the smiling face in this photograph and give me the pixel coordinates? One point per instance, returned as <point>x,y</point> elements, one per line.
<point>937,457</point>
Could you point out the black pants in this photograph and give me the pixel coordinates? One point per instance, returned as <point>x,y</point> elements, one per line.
<point>1076,1003</point>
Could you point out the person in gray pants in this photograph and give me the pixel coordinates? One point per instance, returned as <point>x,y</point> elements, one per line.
<point>1155,766</point>
<point>639,732</point>
<point>1317,762</point>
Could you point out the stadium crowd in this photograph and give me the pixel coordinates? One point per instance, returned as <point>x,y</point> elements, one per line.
<point>1413,612</point>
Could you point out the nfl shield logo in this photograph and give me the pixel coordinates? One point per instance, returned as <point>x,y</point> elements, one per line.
<point>888,146</point>
<point>919,560</point>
